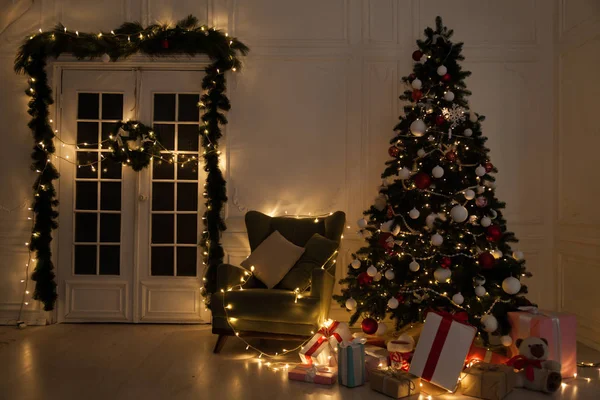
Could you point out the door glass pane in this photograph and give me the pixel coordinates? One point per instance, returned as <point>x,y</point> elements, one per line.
<point>86,164</point>
<point>188,107</point>
<point>162,168</point>
<point>163,228</point>
<point>112,106</point>
<point>162,261</point>
<point>110,196</point>
<point>163,196</point>
<point>86,227</point>
<point>166,135</point>
<point>110,169</point>
<point>87,135</point>
<point>186,261</point>
<point>87,195</point>
<point>188,170</point>
<point>187,196</point>
<point>164,107</point>
<point>188,137</point>
<point>107,129</point>
<point>110,260</point>
<point>85,260</point>
<point>88,106</point>
<point>110,228</point>
<point>187,228</point>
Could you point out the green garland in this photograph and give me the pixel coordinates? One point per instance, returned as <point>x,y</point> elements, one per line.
<point>133,144</point>
<point>187,37</point>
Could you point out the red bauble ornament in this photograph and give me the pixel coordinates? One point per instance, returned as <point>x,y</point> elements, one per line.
<point>446,78</point>
<point>369,326</point>
<point>412,77</point>
<point>486,260</point>
<point>386,240</point>
<point>390,212</point>
<point>493,233</point>
<point>451,156</point>
<point>422,180</point>
<point>439,120</point>
<point>481,201</point>
<point>393,151</point>
<point>364,279</point>
<point>417,94</point>
<point>488,166</point>
<point>400,298</point>
<point>165,44</point>
<point>446,262</point>
<point>417,54</point>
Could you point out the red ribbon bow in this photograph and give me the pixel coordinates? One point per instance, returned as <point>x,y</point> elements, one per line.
<point>519,362</point>
<point>328,331</point>
<point>460,316</point>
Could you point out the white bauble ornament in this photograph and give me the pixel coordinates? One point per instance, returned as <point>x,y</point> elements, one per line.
<point>437,171</point>
<point>489,322</point>
<point>430,220</point>
<point>396,230</point>
<point>381,329</point>
<point>496,253</point>
<point>437,239</point>
<point>350,304</point>
<point>511,285</point>
<point>442,70</point>
<point>518,255</point>
<point>421,153</point>
<point>416,83</point>
<point>393,303</point>
<point>355,264</point>
<point>480,291</point>
<point>380,203</point>
<point>414,213</point>
<point>459,213</point>
<point>414,266</point>
<point>493,214</point>
<point>506,340</point>
<point>371,271</point>
<point>403,173</point>
<point>449,96</point>
<point>387,226</point>
<point>389,274</point>
<point>472,116</point>
<point>469,194</point>
<point>418,127</point>
<point>105,58</point>
<point>480,170</point>
<point>468,132</point>
<point>362,223</point>
<point>458,298</point>
<point>441,274</point>
<point>377,277</point>
<point>485,222</point>
<point>480,189</point>
<point>479,280</point>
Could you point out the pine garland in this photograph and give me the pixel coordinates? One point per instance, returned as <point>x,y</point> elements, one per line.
<point>187,37</point>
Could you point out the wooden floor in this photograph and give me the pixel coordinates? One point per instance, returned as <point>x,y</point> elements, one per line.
<point>171,362</point>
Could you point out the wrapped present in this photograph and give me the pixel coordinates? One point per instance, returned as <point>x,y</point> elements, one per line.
<point>478,353</point>
<point>557,328</point>
<point>396,384</point>
<point>351,363</point>
<point>401,351</point>
<point>443,346</point>
<point>488,381</point>
<point>316,351</point>
<point>372,340</point>
<point>375,358</point>
<point>336,332</point>
<point>313,374</point>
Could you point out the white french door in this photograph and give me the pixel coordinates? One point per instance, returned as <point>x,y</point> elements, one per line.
<point>128,241</point>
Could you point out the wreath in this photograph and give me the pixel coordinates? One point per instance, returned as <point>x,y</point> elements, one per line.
<point>133,144</point>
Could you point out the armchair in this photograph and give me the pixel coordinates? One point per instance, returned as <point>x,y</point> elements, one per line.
<point>275,313</point>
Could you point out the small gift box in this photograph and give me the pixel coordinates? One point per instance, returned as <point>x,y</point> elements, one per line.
<point>488,381</point>
<point>477,353</point>
<point>443,346</point>
<point>401,352</point>
<point>351,363</point>
<point>313,374</point>
<point>316,350</point>
<point>557,328</point>
<point>375,358</point>
<point>396,384</point>
<point>336,332</point>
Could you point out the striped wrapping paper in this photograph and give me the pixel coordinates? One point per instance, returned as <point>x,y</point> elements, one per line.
<point>351,364</point>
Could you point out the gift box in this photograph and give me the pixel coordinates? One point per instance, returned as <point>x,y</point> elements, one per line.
<point>313,374</point>
<point>336,332</point>
<point>557,328</point>
<point>443,346</point>
<point>396,384</point>
<point>488,381</point>
<point>478,353</point>
<point>401,352</point>
<point>316,351</point>
<point>351,364</point>
<point>375,358</point>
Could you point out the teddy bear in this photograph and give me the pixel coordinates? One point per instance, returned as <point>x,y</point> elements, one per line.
<point>536,372</point>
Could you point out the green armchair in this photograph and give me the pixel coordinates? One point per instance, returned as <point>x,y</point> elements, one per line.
<point>277,313</point>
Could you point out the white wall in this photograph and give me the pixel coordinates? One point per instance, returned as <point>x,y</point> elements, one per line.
<point>314,107</point>
<point>577,219</point>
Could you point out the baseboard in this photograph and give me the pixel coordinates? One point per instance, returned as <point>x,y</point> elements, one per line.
<point>9,315</point>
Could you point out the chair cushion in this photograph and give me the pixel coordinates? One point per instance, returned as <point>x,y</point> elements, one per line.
<point>273,258</point>
<point>317,252</point>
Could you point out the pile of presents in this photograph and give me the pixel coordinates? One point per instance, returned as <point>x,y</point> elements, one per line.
<point>444,354</point>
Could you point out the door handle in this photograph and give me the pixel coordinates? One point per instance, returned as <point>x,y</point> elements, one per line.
<point>142,197</point>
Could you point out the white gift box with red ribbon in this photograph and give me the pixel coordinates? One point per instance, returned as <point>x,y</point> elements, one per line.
<point>316,350</point>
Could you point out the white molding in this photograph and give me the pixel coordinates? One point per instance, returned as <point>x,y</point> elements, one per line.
<point>72,314</point>
<point>154,285</point>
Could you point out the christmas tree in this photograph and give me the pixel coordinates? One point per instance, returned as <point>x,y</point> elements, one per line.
<point>436,235</point>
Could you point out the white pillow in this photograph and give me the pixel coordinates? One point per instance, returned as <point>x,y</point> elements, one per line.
<point>273,258</point>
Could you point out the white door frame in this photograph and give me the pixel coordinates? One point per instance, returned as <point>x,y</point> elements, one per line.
<point>140,62</point>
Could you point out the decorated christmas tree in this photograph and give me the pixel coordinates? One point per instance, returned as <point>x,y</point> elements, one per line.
<point>436,236</point>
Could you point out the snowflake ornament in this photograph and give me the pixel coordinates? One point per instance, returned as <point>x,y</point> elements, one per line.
<point>456,115</point>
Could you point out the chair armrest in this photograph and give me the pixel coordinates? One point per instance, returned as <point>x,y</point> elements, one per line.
<point>229,275</point>
<point>322,287</point>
